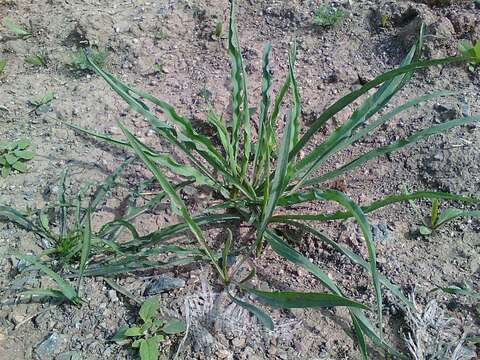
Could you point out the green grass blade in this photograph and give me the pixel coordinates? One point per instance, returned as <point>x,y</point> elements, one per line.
<point>278,183</point>
<point>452,213</point>
<point>103,188</point>
<point>259,313</point>
<point>345,250</point>
<point>202,176</point>
<point>419,135</point>
<point>297,104</point>
<point>351,97</point>
<point>316,194</point>
<point>177,204</point>
<point>358,318</point>
<point>64,286</point>
<point>240,108</point>
<point>360,338</point>
<point>20,219</point>
<point>224,136</point>
<point>362,221</point>
<point>62,203</point>
<point>282,249</point>
<point>86,247</point>
<point>262,150</point>
<point>167,131</point>
<point>295,300</point>
<point>178,229</point>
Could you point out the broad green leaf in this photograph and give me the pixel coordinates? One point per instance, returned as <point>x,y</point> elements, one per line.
<point>149,349</point>
<point>6,170</point>
<point>24,154</point>
<point>11,158</point>
<point>20,166</point>
<point>257,312</point>
<point>174,326</point>
<point>16,29</point>
<point>35,60</point>
<point>55,294</point>
<point>120,334</point>
<point>294,299</point>
<point>149,309</point>
<point>133,331</point>
<point>424,230</point>
<point>23,143</point>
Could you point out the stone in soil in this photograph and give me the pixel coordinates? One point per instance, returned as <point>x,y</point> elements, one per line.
<point>164,283</point>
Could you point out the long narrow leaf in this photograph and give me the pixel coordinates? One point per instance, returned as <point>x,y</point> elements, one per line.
<point>177,204</point>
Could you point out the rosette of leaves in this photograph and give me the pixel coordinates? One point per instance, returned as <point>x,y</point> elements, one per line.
<point>14,155</point>
<point>147,336</point>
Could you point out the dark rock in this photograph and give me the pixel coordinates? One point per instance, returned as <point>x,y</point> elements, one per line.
<point>69,355</point>
<point>49,346</point>
<point>164,283</point>
<point>381,233</point>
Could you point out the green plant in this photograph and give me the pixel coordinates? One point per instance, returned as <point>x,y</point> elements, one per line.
<point>36,59</point>
<point>384,21</point>
<point>148,336</point>
<point>260,182</point>
<point>16,29</point>
<point>42,100</point>
<point>14,155</point>
<point>218,31</point>
<point>78,60</point>
<point>439,218</point>
<point>328,15</point>
<point>472,51</point>
<point>3,63</point>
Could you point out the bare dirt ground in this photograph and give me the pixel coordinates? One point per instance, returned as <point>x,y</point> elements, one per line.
<point>192,72</point>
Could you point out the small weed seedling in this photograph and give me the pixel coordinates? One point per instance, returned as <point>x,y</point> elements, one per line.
<point>468,49</point>
<point>42,100</point>
<point>218,31</point>
<point>14,155</point>
<point>328,15</point>
<point>36,60</point>
<point>439,218</point>
<point>78,60</point>
<point>16,29</point>
<point>3,63</point>
<point>153,330</point>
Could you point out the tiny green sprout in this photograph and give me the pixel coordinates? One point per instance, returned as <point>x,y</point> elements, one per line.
<point>3,63</point>
<point>439,218</point>
<point>148,336</point>
<point>158,67</point>
<point>36,60</point>
<point>470,51</point>
<point>14,155</point>
<point>42,100</point>
<point>218,31</point>
<point>384,21</point>
<point>161,35</point>
<point>328,15</point>
<point>16,29</point>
